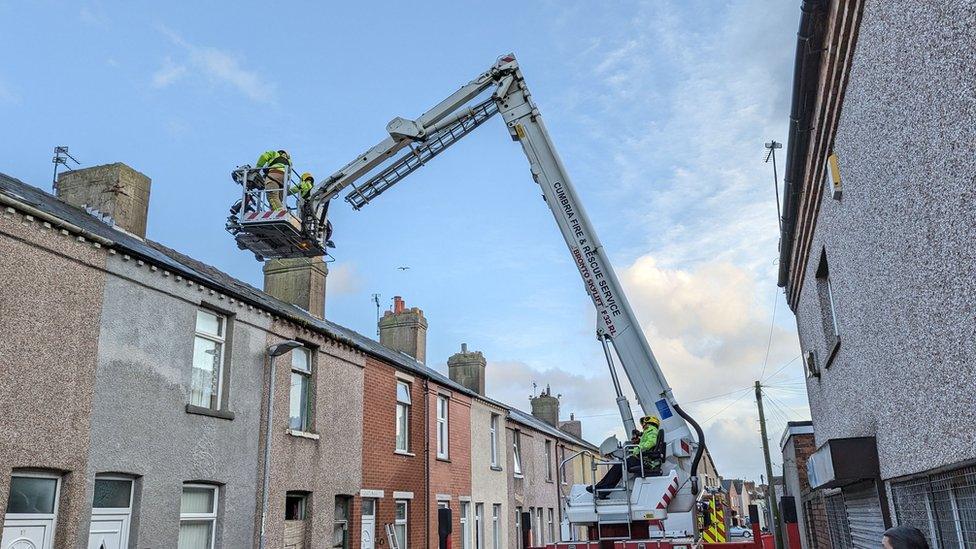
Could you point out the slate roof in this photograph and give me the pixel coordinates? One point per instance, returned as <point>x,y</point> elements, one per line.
<point>172,260</point>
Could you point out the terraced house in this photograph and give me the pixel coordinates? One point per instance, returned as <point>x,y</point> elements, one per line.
<point>158,402</point>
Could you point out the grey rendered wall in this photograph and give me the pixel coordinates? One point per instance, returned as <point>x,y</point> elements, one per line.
<point>50,302</point>
<point>900,242</point>
<point>330,465</point>
<point>488,485</point>
<point>533,490</point>
<point>140,425</point>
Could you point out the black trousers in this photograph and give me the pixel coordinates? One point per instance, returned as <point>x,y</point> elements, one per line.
<point>613,476</point>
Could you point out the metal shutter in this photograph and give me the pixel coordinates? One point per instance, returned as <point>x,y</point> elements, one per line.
<point>837,522</point>
<point>864,515</point>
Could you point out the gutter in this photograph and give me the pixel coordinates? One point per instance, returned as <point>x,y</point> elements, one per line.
<point>40,214</point>
<point>806,71</point>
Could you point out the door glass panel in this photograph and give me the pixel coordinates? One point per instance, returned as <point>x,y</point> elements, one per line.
<point>32,495</point>
<point>368,507</point>
<point>113,493</point>
<point>197,500</point>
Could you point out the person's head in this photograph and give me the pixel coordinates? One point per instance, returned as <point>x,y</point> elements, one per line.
<point>650,420</point>
<point>904,537</point>
<point>284,154</point>
<point>307,178</point>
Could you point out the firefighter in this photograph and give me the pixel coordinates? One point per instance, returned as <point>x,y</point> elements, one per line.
<point>646,442</point>
<point>304,186</point>
<point>275,162</point>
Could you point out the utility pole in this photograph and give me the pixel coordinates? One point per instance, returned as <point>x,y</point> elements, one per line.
<point>772,146</point>
<point>770,491</point>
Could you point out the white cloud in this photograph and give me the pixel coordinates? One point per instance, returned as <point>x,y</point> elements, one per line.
<point>343,279</point>
<point>216,66</point>
<point>167,74</point>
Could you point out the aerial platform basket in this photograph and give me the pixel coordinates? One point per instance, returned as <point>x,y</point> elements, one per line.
<point>288,232</point>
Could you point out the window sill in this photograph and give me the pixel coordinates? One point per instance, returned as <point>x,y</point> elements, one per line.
<point>404,453</point>
<point>302,434</point>
<point>550,481</point>
<point>444,459</point>
<point>210,412</point>
<point>496,468</point>
<point>833,352</point>
<point>518,475</point>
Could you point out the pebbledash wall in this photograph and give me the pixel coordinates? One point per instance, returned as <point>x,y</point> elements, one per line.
<point>881,278</point>
<point>53,281</point>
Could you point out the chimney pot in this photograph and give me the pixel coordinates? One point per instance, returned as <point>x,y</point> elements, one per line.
<point>397,305</point>
<point>464,347</point>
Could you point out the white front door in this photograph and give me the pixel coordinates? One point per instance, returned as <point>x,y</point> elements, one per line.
<point>368,535</point>
<point>32,505</point>
<point>111,513</point>
<point>108,532</point>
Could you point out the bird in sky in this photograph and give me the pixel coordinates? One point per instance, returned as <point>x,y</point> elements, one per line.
<point>403,268</point>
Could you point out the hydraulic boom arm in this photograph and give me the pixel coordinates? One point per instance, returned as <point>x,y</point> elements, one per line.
<point>412,142</point>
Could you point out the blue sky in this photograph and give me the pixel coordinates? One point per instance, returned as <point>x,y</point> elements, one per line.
<point>659,110</point>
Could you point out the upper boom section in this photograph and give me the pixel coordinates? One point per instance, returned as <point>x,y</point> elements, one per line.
<point>453,118</point>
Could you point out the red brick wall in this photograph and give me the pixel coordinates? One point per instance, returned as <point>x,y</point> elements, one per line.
<point>383,469</point>
<point>803,446</point>
<point>454,475</point>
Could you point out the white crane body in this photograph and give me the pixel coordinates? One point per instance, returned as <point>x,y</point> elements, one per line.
<point>669,499</point>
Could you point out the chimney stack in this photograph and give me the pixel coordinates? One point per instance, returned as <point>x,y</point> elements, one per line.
<point>546,407</point>
<point>299,281</point>
<point>116,193</point>
<point>468,369</point>
<point>573,426</point>
<point>405,330</point>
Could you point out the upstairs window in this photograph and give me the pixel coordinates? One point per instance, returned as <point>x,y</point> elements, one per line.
<point>548,458</point>
<point>828,308</point>
<point>300,403</point>
<point>208,359</point>
<point>493,433</point>
<point>442,427</point>
<point>403,417</point>
<point>516,453</point>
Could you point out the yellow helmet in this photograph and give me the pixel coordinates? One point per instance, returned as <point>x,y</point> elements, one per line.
<point>308,176</point>
<point>650,420</point>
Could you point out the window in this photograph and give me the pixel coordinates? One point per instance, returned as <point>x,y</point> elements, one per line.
<point>296,505</point>
<point>537,527</point>
<point>465,531</point>
<point>551,527</point>
<point>198,516</point>
<point>400,523</point>
<point>300,405</point>
<point>548,457</point>
<point>493,432</point>
<point>518,526</point>
<point>208,360</point>
<point>340,530</point>
<point>403,417</point>
<point>442,427</point>
<point>562,458</point>
<point>111,512</point>
<point>32,508</point>
<point>479,526</point>
<point>942,506</point>
<point>825,291</point>
<point>516,453</point>
<point>496,511</point>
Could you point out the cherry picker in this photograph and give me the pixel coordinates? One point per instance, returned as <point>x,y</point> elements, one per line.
<point>642,507</point>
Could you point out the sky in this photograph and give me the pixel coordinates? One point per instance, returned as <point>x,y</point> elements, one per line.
<point>659,111</point>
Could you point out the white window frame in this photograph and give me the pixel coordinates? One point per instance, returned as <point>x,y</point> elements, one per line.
<point>465,531</point>
<point>540,534</point>
<point>199,517</point>
<point>562,472</point>
<point>518,526</point>
<point>548,457</point>
<point>402,407</point>
<point>496,531</point>
<point>493,433</point>
<point>306,375</point>
<point>479,526</point>
<point>549,526</point>
<point>443,427</point>
<point>123,514</point>
<point>221,340</point>
<point>29,519</point>
<point>833,309</point>
<point>402,522</point>
<point>517,453</point>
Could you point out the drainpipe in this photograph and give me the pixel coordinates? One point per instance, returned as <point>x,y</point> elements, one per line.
<point>427,456</point>
<point>274,351</point>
